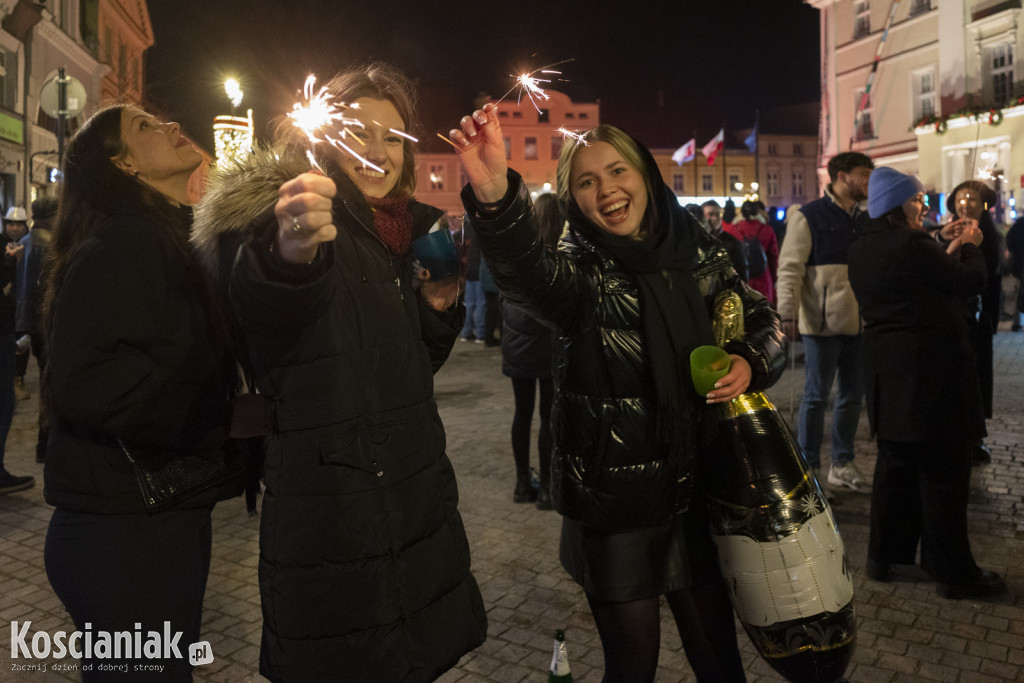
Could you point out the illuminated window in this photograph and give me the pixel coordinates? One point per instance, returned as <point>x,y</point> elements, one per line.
<point>436,177</point>
<point>530,148</point>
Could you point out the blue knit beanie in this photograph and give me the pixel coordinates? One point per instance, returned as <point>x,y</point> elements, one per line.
<point>888,188</point>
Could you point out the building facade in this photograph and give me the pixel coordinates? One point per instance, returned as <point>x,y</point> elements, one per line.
<point>944,98</point>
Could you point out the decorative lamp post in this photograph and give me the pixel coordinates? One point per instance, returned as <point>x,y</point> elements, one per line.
<point>232,135</point>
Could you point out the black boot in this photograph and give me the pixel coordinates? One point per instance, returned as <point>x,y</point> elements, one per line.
<point>544,493</point>
<point>526,487</point>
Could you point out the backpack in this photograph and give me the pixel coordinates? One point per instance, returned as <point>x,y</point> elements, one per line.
<point>757,260</point>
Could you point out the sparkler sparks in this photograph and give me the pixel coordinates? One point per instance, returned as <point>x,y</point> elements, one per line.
<point>528,84</point>
<point>579,138</point>
<point>320,113</point>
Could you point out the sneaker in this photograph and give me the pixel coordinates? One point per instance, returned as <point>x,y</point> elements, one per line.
<point>848,476</point>
<point>463,339</point>
<point>20,390</point>
<point>825,489</point>
<point>478,340</point>
<point>10,483</point>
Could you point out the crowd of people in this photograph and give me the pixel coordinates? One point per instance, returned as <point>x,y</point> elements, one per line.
<point>280,336</point>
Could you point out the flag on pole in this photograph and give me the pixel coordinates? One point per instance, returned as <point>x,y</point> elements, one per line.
<point>751,141</point>
<point>685,153</point>
<point>713,147</point>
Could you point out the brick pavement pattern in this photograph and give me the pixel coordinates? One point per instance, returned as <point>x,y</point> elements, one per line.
<point>905,632</point>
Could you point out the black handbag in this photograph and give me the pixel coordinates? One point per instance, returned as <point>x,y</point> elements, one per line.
<point>166,481</point>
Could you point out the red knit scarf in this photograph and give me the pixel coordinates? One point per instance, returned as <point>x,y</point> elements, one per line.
<point>393,222</point>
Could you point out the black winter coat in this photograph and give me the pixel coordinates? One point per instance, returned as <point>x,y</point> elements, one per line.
<point>609,469</point>
<point>527,345</point>
<point>364,563</point>
<point>133,355</point>
<point>921,384</point>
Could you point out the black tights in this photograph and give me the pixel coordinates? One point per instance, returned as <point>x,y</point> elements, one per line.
<point>631,634</point>
<point>524,392</point>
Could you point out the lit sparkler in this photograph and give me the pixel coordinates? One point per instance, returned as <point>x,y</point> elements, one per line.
<point>579,138</point>
<point>529,84</point>
<point>320,112</point>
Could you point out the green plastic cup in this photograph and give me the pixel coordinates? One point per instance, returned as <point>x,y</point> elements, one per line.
<point>708,364</point>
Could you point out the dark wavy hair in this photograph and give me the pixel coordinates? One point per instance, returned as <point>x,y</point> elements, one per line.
<point>380,81</point>
<point>93,189</point>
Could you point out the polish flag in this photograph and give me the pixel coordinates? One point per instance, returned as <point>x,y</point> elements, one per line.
<point>686,152</point>
<point>717,143</point>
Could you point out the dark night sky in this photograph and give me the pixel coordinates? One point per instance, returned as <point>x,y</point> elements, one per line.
<point>711,60</point>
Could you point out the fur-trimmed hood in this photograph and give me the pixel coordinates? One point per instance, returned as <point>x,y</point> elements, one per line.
<point>237,195</point>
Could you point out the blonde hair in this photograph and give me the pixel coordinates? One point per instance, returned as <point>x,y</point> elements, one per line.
<point>623,144</point>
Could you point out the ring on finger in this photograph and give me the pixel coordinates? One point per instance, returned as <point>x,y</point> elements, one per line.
<point>296,226</point>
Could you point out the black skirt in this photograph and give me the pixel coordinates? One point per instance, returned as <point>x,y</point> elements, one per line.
<point>623,566</point>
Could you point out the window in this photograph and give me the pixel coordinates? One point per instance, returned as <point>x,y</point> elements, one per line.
<point>584,115</point>
<point>734,180</point>
<point>436,177</point>
<point>530,148</point>
<point>706,183</point>
<point>503,114</point>
<point>798,183</point>
<point>677,182</point>
<point>923,87</point>
<point>543,116</point>
<point>773,149</point>
<point>861,18</point>
<point>798,149</point>
<point>920,6</point>
<point>773,183</point>
<point>508,147</point>
<point>570,115</point>
<point>1000,62</point>
<point>556,145</point>
<point>862,105</point>
<point>517,114</point>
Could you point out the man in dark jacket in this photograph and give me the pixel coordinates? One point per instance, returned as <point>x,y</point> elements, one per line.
<point>9,483</point>
<point>713,219</point>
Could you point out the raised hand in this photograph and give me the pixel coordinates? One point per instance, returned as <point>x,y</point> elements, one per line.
<point>303,212</point>
<point>481,150</point>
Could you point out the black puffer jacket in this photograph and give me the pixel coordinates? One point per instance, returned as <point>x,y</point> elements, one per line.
<point>133,355</point>
<point>527,345</point>
<point>364,564</point>
<point>609,469</point>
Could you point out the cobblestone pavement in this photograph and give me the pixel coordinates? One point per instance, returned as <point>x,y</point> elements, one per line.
<point>905,632</point>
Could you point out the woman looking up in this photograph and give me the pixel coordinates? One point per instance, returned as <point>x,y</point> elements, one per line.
<point>138,370</point>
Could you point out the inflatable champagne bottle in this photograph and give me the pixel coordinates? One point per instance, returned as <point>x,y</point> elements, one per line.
<point>778,546</point>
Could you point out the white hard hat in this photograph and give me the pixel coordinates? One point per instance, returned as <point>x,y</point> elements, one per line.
<point>16,214</point>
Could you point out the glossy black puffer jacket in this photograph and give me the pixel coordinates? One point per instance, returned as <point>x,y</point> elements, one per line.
<point>609,468</point>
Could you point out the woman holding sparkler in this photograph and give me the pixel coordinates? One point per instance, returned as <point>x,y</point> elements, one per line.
<point>364,564</point>
<point>137,381</point>
<point>630,292</point>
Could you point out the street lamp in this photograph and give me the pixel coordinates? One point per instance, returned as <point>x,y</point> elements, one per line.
<point>232,135</point>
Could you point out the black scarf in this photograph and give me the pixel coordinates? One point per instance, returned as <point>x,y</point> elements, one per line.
<point>672,312</point>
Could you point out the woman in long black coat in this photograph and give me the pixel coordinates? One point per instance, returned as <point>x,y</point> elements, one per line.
<point>364,563</point>
<point>922,390</point>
